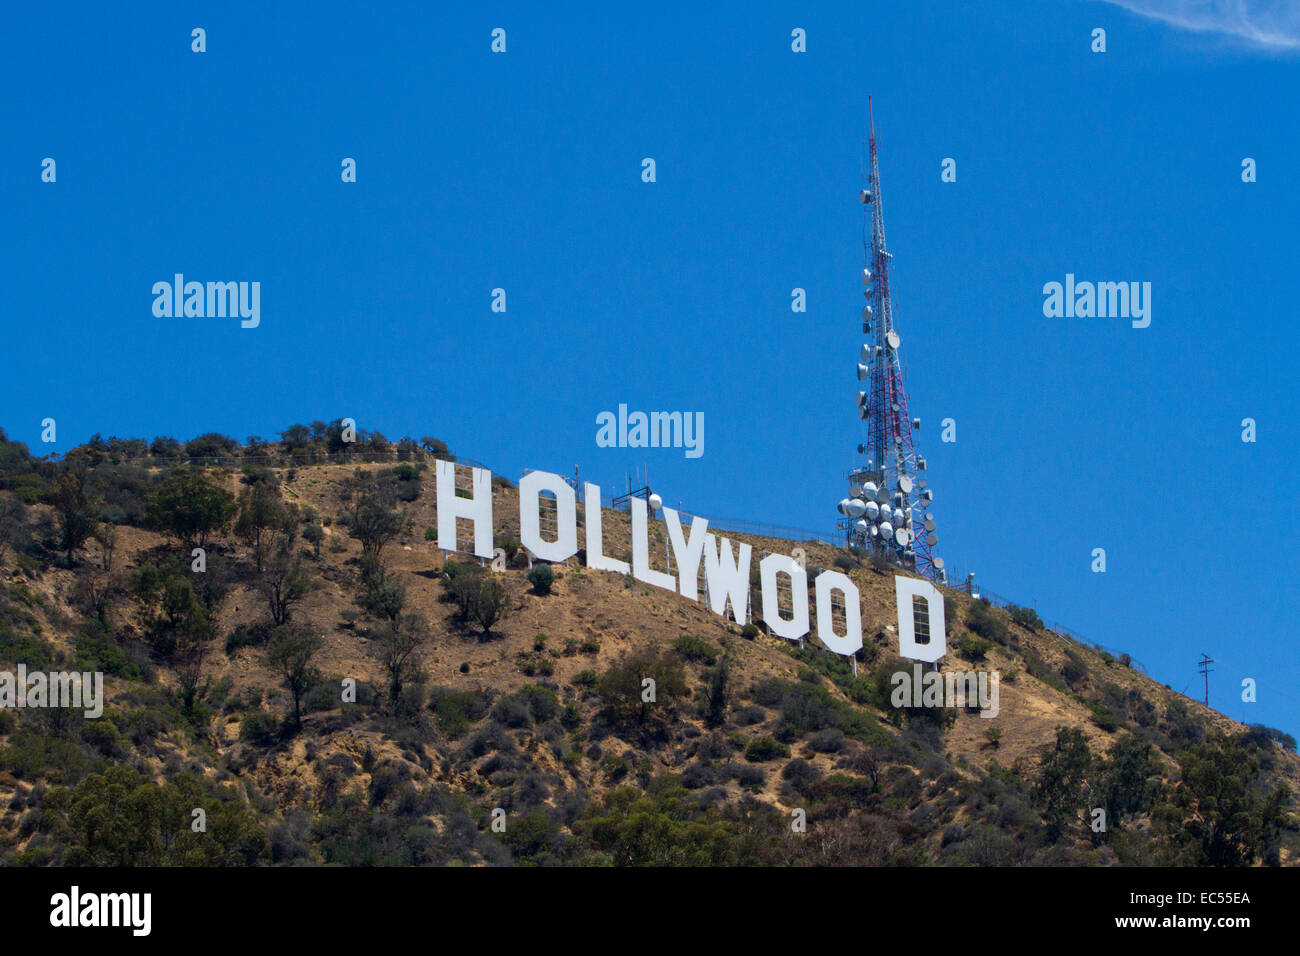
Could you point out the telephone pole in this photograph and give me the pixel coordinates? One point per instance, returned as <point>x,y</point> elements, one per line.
<point>1204,665</point>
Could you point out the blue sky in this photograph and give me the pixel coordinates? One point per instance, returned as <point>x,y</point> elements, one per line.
<point>523,171</point>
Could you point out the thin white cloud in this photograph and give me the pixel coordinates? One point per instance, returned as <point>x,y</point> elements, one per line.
<point>1269,24</point>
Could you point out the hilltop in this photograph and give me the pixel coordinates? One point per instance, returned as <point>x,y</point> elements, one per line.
<point>334,688</point>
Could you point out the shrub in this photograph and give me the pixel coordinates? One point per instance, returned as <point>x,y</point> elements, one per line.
<point>512,712</point>
<point>620,687</point>
<point>456,709</point>
<point>1074,670</point>
<point>541,577</point>
<point>751,778</point>
<point>692,648</point>
<point>1026,617</point>
<point>259,727</point>
<point>697,775</point>
<point>248,635</point>
<point>749,631</point>
<point>972,648</point>
<point>761,749</point>
<point>983,620</point>
<point>800,774</point>
<point>827,741</point>
<point>1104,717</point>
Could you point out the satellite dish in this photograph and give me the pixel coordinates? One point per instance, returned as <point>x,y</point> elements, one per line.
<point>863,372</point>
<point>870,489</point>
<point>855,508</point>
<point>865,196</point>
<point>892,338</point>
<point>886,530</point>
<point>929,495</point>
<point>861,526</point>
<point>883,495</point>
<point>843,506</point>
<point>862,396</point>
<point>866,277</point>
<point>866,353</point>
<point>855,490</point>
<point>873,510</point>
<point>656,502</point>
<point>866,313</point>
<point>938,564</point>
<point>874,531</point>
<point>929,523</point>
<point>863,409</point>
<point>902,536</point>
<point>932,539</point>
<point>898,517</point>
<point>904,484</point>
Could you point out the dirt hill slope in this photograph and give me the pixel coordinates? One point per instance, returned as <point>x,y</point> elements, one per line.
<point>529,723</point>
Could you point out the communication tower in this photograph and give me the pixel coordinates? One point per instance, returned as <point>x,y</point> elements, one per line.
<point>887,510</point>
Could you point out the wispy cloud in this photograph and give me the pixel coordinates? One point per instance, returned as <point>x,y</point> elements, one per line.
<point>1267,24</point>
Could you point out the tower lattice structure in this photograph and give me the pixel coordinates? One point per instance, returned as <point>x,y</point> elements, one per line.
<point>887,510</point>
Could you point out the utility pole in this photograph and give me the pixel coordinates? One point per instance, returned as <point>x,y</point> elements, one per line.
<point>1204,665</point>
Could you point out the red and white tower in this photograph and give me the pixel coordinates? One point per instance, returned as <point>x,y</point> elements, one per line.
<point>888,507</point>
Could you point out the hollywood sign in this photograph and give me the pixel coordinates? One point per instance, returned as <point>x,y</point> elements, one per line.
<point>726,572</point>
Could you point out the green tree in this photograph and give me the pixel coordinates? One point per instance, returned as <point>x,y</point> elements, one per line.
<point>622,689</point>
<point>1058,787</point>
<point>717,678</point>
<point>189,656</point>
<point>262,514</point>
<point>1221,813</point>
<point>541,577</point>
<point>75,508</point>
<point>1130,781</point>
<point>314,535</point>
<point>121,818</point>
<point>374,522</point>
<point>190,509</point>
<point>290,654</point>
<point>398,646</point>
<point>284,581</point>
<point>490,603</point>
<point>480,598</point>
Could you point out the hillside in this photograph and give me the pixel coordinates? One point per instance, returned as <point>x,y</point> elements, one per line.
<point>537,721</point>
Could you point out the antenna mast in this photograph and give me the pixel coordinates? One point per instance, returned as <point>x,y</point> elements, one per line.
<point>886,510</point>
